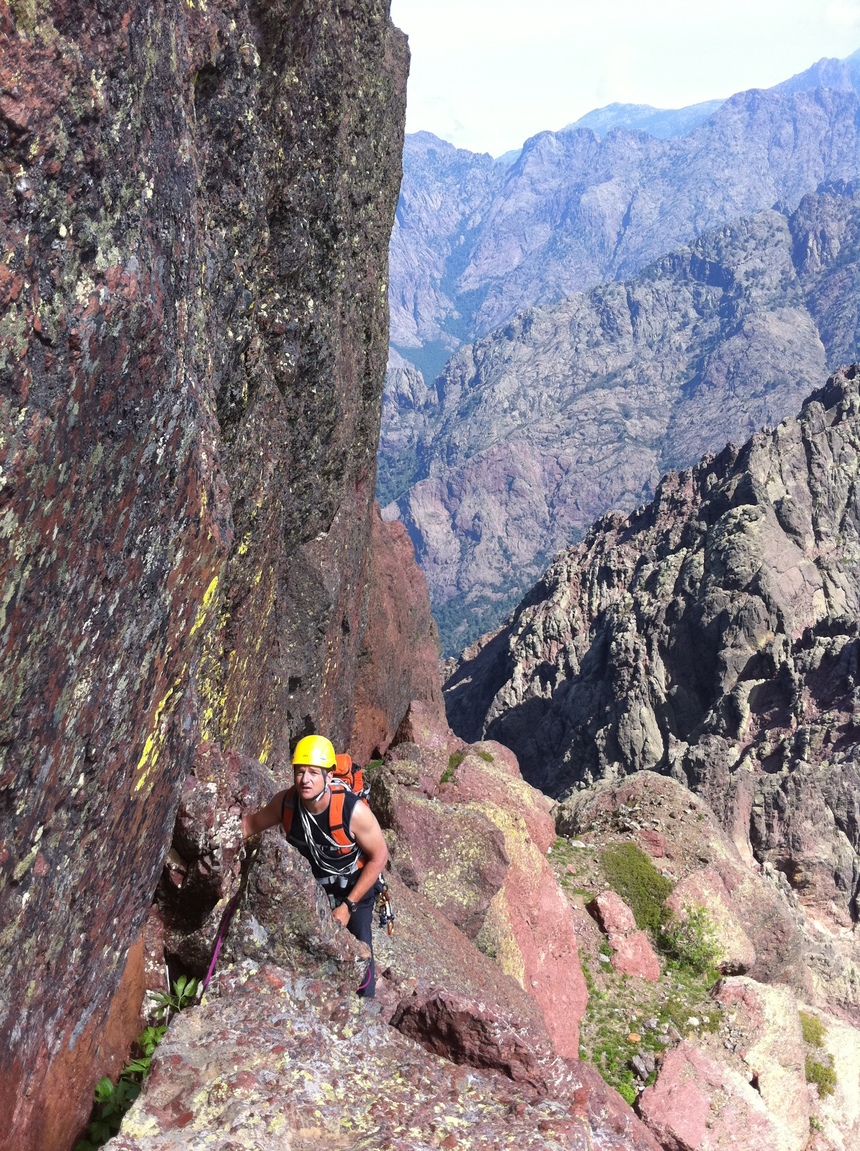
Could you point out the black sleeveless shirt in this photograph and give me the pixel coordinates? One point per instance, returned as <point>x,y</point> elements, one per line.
<point>333,864</point>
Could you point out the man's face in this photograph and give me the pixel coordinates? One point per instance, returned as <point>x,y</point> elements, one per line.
<point>310,781</point>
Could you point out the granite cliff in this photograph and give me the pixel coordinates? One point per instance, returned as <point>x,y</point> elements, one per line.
<point>196,203</point>
<point>579,407</point>
<point>712,636</point>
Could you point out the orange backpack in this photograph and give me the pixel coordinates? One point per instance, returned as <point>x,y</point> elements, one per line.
<point>350,775</point>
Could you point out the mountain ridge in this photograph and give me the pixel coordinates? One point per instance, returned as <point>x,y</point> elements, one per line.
<point>578,407</point>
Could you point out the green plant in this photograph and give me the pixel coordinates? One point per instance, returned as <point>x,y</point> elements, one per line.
<point>823,1075</point>
<point>486,756</point>
<point>111,1101</point>
<point>454,762</point>
<point>630,873</point>
<point>690,942</point>
<point>815,1123</point>
<point>184,994</point>
<point>627,1092</point>
<point>813,1029</point>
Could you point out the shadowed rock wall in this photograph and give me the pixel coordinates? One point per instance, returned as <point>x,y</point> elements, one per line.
<point>195,204</point>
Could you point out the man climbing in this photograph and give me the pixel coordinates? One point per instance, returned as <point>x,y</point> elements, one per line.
<point>337,833</point>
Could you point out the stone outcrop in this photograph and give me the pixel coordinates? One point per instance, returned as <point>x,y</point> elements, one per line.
<point>632,953</point>
<point>195,203</point>
<point>699,1104</point>
<point>711,635</point>
<point>287,1058</point>
<point>577,408</point>
<point>399,658</point>
<point>471,837</point>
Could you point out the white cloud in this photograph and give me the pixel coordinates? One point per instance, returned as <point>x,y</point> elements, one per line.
<point>844,14</point>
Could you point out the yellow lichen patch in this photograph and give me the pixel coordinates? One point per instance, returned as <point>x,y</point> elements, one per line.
<point>154,740</point>
<point>203,610</point>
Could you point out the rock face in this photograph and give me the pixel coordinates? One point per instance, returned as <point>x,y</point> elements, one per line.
<point>283,1058</point>
<point>577,408</point>
<point>711,635</point>
<point>195,204</point>
<point>399,658</point>
<point>472,839</point>
<point>281,1045</point>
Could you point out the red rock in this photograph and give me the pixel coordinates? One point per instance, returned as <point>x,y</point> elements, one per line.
<point>634,955</point>
<point>398,679</point>
<point>652,842</point>
<point>612,913</point>
<point>425,725</point>
<point>698,1104</point>
<point>528,923</point>
<point>467,1031</point>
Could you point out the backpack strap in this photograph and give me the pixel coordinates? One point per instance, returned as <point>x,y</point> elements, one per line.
<point>287,811</point>
<point>336,826</point>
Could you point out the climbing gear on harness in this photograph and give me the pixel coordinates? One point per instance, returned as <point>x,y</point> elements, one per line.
<point>383,907</point>
<point>315,751</point>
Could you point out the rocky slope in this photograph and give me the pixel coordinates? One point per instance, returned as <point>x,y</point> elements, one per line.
<point>579,407</point>
<point>195,203</point>
<point>478,241</point>
<point>711,635</point>
<point>473,1036</point>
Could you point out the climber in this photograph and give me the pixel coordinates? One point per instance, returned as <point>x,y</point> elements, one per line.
<point>337,833</point>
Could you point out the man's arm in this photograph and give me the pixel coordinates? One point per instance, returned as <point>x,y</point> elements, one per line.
<point>368,835</point>
<point>269,816</point>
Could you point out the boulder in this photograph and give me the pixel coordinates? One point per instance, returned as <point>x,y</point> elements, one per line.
<point>467,1031</point>
<point>633,955</point>
<point>700,1104</point>
<point>770,1044</point>
<point>705,889</point>
<point>612,913</point>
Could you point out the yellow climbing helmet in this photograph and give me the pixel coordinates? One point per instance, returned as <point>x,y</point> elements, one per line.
<point>314,751</point>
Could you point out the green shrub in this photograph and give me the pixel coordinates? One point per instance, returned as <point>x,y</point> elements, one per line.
<point>486,756</point>
<point>627,1092</point>
<point>690,942</point>
<point>823,1075</point>
<point>813,1029</point>
<point>631,873</point>
<point>454,762</point>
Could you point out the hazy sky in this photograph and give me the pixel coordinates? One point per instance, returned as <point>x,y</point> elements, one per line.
<point>487,74</point>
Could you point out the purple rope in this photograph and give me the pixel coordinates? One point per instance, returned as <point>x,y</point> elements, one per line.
<point>222,933</point>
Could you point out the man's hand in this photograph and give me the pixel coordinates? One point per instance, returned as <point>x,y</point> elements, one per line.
<point>341,914</point>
